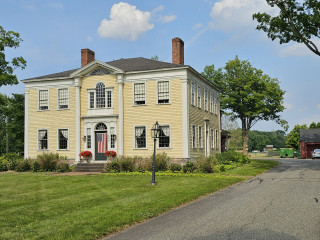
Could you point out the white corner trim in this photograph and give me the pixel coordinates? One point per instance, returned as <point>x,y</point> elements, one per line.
<point>185,119</point>
<point>78,134</point>
<point>26,124</point>
<point>120,96</point>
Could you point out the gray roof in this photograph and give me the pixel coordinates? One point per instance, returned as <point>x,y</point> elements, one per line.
<point>127,65</point>
<point>310,135</point>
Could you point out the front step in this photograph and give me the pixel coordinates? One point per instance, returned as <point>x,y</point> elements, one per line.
<point>89,167</point>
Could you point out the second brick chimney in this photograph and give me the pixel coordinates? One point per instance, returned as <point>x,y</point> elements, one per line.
<point>177,51</point>
<point>87,56</point>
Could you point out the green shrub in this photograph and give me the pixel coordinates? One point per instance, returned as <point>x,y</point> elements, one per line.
<point>3,164</point>
<point>188,167</point>
<point>23,165</point>
<point>205,164</point>
<point>162,161</point>
<point>143,164</point>
<point>113,166</point>
<point>35,166</point>
<point>219,168</point>
<point>63,166</point>
<point>230,157</point>
<point>52,162</point>
<point>174,167</point>
<point>127,164</point>
<point>12,160</point>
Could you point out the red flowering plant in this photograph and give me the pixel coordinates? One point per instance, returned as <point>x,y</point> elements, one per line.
<point>85,154</point>
<point>110,154</point>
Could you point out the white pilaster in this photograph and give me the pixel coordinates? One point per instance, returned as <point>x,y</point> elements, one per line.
<point>185,118</point>
<point>26,124</point>
<point>120,133</point>
<point>77,83</point>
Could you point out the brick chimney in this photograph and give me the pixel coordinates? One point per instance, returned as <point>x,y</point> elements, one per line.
<point>87,56</point>
<point>177,51</point>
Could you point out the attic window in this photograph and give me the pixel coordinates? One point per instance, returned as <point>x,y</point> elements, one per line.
<point>99,71</point>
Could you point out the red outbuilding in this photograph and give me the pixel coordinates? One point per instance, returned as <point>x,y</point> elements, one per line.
<point>309,140</point>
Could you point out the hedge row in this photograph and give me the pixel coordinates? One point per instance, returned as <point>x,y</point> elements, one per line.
<point>223,161</point>
<point>42,163</point>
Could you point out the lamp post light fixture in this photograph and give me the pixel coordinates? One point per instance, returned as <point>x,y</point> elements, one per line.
<point>154,134</point>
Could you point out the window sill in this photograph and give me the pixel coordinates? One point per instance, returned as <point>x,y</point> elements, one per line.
<point>43,110</point>
<point>64,150</point>
<point>43,150</point>
<point>164,103</point>
<point>138,105</point>
<point>140,149</point>
<point>160,148</point>
<point>62,109</point>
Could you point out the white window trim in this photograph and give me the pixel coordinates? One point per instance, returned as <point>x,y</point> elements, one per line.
<point>86,134</point>
<point>38,149</point>
<point>212,138</point>
<point>163,125</point>
<point>109,90</point>
<point>217,138</point>
<point>194,145</point>
<point>46,89</point>
<point>58,139</point>
<point>200,145</point>
<point>193,98</point>
<point>58,106</point>
<point>115,141</point>
<point>157,99</point>
<point>145,95</point>
<point>199,100</point>
<point>93,90</point>
<point>134,137</point>
<point>215,105</point>
<point>206,100</point>
<point>211,102</point>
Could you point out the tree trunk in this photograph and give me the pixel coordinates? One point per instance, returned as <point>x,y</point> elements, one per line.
<point>245,137</point>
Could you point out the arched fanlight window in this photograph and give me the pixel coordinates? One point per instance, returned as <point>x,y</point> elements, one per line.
<point>101,127</point>
<point>100,95</point>
<point>99,71</point>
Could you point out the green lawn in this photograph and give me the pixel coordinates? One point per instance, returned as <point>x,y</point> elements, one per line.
<point>43,206</point>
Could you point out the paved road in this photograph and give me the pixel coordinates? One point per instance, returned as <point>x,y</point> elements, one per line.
<point>282,204</point>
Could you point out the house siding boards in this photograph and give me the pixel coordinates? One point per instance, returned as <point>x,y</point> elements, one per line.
<point>148,114</point>
<point>52,121</point>
<point>198,117</point>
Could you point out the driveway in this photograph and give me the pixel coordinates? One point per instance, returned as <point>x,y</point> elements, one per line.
<point>283,203</point>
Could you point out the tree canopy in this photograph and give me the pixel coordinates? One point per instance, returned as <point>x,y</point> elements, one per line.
<point>9,39</point>
<point>293,139</point>
<point>247,94</point>
<point>297,21</point>
<point>11,123</point>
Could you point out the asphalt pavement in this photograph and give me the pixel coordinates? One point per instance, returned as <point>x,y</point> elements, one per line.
<point>282,204</point>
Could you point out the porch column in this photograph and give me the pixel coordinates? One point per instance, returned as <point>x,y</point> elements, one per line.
<point>78,134</point>
<point>26,124</point>
<point>120,130</point>
<point>185,118</point>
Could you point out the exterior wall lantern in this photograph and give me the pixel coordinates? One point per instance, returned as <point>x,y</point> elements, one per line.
<point>154,134</point>
<point>84,138</point>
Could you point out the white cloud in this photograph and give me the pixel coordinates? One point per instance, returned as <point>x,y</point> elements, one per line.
<point>57,5</point>
<point>157,9</point>
<point>234,14</point>
<point>166,19</point>
<point>298,49</point>
<point>197,26</point>
<point>288,106</point>
<point>126,23</point>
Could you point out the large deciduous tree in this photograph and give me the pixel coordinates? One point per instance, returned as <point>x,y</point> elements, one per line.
<point>247,94</point>
<point>9,39</point>
<point>293,138</point>
<point>297,21</point>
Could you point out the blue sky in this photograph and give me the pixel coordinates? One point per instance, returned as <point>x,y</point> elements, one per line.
<point>214,32</point>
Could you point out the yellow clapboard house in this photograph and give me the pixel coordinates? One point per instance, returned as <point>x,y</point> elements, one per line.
<point>113,106</point>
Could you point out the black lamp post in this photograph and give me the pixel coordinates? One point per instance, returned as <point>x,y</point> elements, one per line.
<point>154,134</point>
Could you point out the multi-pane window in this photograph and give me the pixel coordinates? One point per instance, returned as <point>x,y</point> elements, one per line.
<point>211,102</point>
<point>91,99</point>
<point>163,92</point>
<point>140,137</point>
<point>206,100</point>
<point>200,137</point>
<point>199,97</point>
<point>42,139</point>
<point>139,94</point>
<point>193,136</point>
<point>164,137</point>
<point>88,137</point>
<point>100,95</point>
<point>63,98</point>
<point>43,99</point>
<point>112,138</point>
<point>212,138</point>
<point>193,94</point>
<point>63,139</point>
<point>217,138</point>
<point>109,98</point>
<point>215,106</point>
